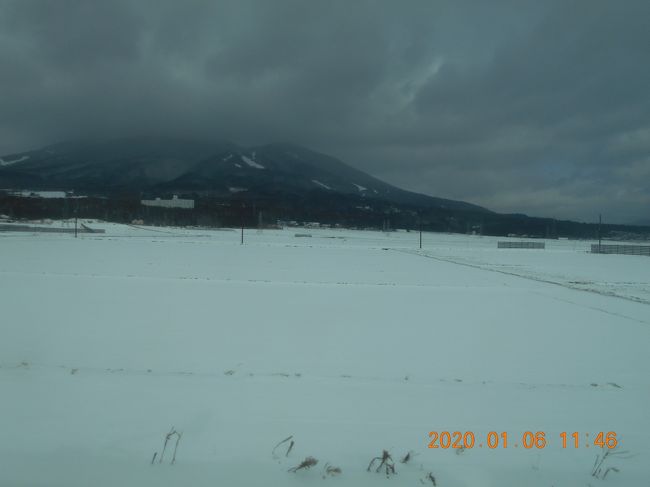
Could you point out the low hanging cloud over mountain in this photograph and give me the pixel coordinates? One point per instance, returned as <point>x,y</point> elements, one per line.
<point>519,106</point>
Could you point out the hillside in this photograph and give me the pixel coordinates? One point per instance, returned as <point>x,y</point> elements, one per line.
<point>155,165</point>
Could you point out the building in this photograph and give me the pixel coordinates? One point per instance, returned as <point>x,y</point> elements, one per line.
<point>175,202</point>
<point>26,193</point>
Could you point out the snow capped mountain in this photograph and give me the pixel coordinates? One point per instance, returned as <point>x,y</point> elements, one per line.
<point>208,168</point>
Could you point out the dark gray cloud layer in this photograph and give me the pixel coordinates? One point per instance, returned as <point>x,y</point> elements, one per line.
<point>536,107</point>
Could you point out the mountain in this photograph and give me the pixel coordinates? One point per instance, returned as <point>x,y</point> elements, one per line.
<point>234,185</point>
<point>153,165</point>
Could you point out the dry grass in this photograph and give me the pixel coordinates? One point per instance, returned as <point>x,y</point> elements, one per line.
<point>386,461</point>
<point>331,471</point>
<point>289,448</point>
<point>304,465</point>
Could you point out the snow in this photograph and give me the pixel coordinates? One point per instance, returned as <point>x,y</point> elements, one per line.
<point>13,161</point>
<point>352,342</point>
<point>227,158</point>
<point>251,162</point>
<point>235,189</point>
<point>238,165</point>
<point>315,181</point>
<point>359,187</point>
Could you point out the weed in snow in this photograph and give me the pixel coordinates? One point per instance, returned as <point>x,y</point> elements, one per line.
<point>172,433</point>
<point>600,469</point>
<point>289,448</point>
<point>331,471</point>
<point>386,461</point>
<point>305,464</point>
<point>429,478</point>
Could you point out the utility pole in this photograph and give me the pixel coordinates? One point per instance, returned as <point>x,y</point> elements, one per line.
<point>420,221</point>
<point>600,221</point>
<point>75,226</point>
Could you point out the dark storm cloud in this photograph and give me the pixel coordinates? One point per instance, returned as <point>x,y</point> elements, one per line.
<point>538,107</point>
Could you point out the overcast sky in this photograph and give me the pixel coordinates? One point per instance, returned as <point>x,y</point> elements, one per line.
<point>540,107</point>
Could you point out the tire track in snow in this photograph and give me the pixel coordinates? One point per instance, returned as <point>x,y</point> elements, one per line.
<point>545,281</point>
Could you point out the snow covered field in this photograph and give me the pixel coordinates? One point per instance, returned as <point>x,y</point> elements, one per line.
<point>352,342</point>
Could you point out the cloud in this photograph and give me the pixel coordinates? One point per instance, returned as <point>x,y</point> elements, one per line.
<point>537,107</point>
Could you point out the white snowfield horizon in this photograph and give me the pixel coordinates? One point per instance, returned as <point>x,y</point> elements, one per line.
<point>351,342</point>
